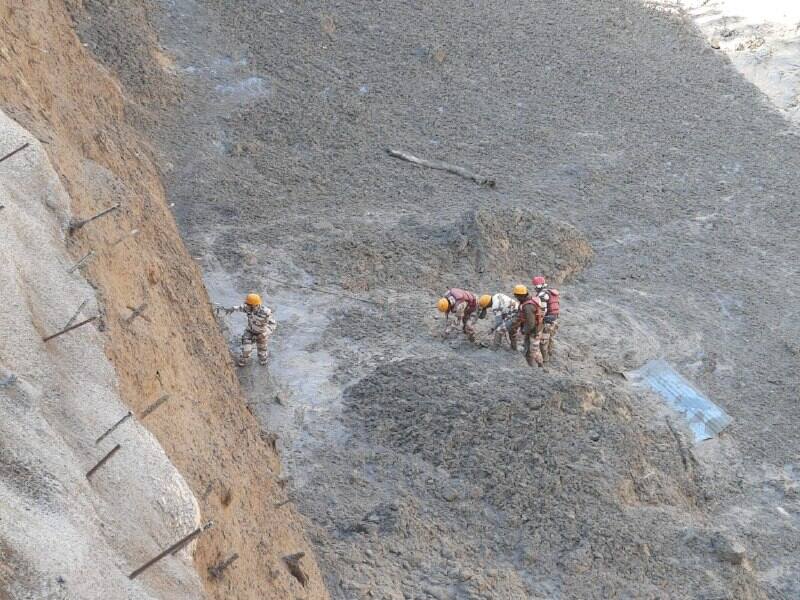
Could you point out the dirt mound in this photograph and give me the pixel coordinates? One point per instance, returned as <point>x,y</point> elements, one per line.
<point>591,485</point>
<point>483,246</point>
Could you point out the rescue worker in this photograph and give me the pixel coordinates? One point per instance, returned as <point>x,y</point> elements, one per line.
<point>461,304</point>
<point>504,309</point>
<point>550,299</point>
<point>260,325</point>
<point>530,318</point>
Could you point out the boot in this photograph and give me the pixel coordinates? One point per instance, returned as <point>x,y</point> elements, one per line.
<point>534,357</point>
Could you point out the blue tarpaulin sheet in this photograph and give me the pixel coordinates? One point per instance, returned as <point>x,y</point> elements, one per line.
<point>705,418</point>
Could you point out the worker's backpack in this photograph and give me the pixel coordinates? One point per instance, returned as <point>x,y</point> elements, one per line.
<point>538,307</point>
<point>552,302</point>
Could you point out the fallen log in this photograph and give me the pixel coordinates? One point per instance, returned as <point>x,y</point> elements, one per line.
<point>443,166</point>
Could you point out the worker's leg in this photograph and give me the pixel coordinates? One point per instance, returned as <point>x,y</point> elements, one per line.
<point>544,341</point>
<point>532,352</point>
<point>261,345</point>
<point>247,348</point>
<point>553,330</point>
<point>468,324</point>
<point>513,336</point>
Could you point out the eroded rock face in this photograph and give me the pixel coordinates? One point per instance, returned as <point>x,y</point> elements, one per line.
<point>66,534</point>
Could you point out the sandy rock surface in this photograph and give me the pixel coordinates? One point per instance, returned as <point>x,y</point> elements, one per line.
<point>62,534</point>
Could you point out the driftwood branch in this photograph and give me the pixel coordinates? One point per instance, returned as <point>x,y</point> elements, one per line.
<point>442,166</point>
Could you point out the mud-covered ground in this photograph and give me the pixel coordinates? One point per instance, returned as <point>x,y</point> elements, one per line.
<point>429,468</point>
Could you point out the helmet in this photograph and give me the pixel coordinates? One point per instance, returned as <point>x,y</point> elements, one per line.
<point>485,301</point>
<point>539,282</point>
<point>253,299</point>
<point>443,305</point>
<point>520,290</point>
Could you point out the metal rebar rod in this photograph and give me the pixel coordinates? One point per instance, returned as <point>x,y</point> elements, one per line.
<point>174,548</point>
<point>150,409</point>
<point>13,152</point>
<point>70,328</point>
<point>77,312</point>
<point>103,461</point>
<point>124,237</point>
<point>113,427</point>
<point>216,570</point>
<point>78,264</point>
<point>136,312</point>
<point>78,224</point>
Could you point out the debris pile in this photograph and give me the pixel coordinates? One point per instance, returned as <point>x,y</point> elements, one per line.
<point>491,246</point>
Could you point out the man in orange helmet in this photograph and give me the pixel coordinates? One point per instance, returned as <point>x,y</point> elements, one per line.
<point>530,319</point>
<point>463,305</point>
<point>505,310</point>
<point>260,325</point>
<point>550,300</point>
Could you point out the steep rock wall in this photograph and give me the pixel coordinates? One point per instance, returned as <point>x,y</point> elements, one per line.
<point>53,88</point>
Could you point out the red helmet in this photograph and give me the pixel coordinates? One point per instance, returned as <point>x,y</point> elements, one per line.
<point>539,281</point>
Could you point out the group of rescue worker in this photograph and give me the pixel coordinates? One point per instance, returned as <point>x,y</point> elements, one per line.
<point>533,314</point>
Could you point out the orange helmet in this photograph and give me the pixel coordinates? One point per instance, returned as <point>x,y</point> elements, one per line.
<point>443,305</point>
<point>253,299</point>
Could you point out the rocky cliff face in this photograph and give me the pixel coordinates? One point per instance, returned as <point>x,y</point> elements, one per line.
<point>159,339</point>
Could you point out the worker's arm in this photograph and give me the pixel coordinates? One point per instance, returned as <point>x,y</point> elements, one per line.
<point>272,324</point>
<point>233,309</point>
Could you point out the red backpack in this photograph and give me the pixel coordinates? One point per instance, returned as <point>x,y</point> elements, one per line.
<point>552,302</point>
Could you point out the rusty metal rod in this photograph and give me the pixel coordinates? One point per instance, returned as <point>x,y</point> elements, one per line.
<point>77,312</point>
<point>78,264</point>
<point>136,312</point>
<point>13,152</point>
<point>70,328</point>
<point>113,427</point>
<point>174,548</point>
<point>130,234</point>
<point>147,411</point>
<point>103,461</point>
<point>216,570</point>
<point>75,225</point>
